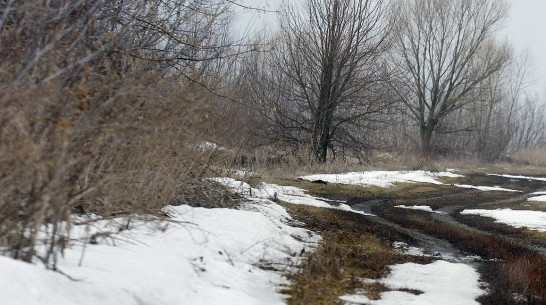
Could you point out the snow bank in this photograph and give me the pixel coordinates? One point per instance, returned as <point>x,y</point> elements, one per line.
<point>201,256</point>
<point>440,282</point>
<point>532,220</point>
<point>382,178</point>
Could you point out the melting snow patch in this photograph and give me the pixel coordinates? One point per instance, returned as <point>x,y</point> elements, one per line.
<point>288,194</point>
<point>381,178</point>
<point>404,248</point>
<point>532,220</point>
<point>519,177</point>
<point>440,282</point>
<point>425,208</point>
<point>486,188</point>
<point>541,197</point>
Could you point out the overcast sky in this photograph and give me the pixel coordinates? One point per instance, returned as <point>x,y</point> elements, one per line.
<point>525,29</point>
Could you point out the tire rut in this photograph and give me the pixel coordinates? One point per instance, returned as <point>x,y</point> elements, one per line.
<point>432,246</point>
<point>446,213</point>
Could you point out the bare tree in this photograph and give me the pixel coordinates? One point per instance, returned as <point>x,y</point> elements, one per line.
<point>444,49</point>
<point>529,126</point>
<point>324,75</point>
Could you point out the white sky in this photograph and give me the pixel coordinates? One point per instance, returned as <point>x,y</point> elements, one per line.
<point>525,29</point>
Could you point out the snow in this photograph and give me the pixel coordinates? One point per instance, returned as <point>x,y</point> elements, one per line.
<point>440,282</point>
<point>532,220</point>
<point>486,188</point>
<point>519,177</point>
<point>404,248</point>
<point>382,178</point>
<point>204,145</point>
<point>288,194</point>
<point>541,196</point>
<point>537,198</point>
<point>200,256</point>
<point>388,178</point>
<point>425,208</point>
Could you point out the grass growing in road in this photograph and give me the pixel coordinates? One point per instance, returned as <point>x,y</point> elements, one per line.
<point>352,249</point>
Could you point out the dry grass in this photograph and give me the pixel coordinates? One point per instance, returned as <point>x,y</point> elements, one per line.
<point>85,129</point>
<point>535,157</point>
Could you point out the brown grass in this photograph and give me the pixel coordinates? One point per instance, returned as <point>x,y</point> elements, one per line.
<point>109,134</point>
<point>535,157</point>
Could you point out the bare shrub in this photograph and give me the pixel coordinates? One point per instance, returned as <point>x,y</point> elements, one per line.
<point>94,118</point>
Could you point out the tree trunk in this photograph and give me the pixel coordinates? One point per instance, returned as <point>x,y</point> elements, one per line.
<point>427,130</point>
<point>322,136</point>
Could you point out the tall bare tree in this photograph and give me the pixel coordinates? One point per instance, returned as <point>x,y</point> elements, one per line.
<point>444,49</point>
<point>325,74</point>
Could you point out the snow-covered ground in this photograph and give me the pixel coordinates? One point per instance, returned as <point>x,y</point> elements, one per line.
<point>425,208</point>
<point>440,282</point>
<point>532,220</point>
<point>201,256</point>
<point>288,194</point>
<point>382,178</point>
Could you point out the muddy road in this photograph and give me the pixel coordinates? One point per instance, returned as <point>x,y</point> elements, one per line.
<point>512,261</point>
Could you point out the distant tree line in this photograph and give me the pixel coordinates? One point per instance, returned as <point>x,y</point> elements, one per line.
<point>351,77</point>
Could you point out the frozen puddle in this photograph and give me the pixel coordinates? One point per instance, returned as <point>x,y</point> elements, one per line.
<point>532,220</point>
<point>440,282</point>
<point>425,208</point>
<point>382,178</point>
